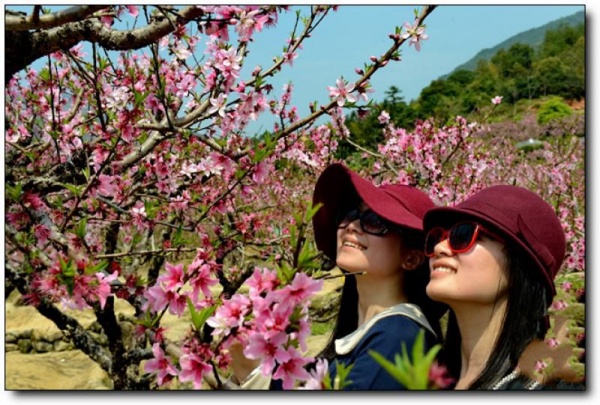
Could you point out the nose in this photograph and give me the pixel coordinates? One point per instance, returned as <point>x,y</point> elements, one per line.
<point>354,226</point>
<point>442,248</point>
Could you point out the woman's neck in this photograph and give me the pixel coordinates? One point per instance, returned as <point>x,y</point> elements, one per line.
<point>479,328</point>
<point>378,294</point>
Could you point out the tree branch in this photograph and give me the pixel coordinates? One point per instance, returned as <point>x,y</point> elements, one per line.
<point>25,47</point>
<point>47,21</point>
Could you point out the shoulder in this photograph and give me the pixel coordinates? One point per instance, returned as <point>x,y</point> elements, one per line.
<point>394,323</point>
<point>407,311</point>
<point>394,331</point>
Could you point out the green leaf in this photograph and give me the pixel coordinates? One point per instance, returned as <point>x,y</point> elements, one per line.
<point>97,267</point>
<point>148,320</point>
<point>293,235</point>
<point>178,238</point>
<point>341,376</point>
<point>80,229</point>
<point>312,211</point>
<point>76,190</point>
<point>139,98</point>
<point>44,74</point>
<point>200,317</point>
<point>412,373</point>
<point>285,273</point>
<point>67,274</point>
<point>396,370</point>
<point>86,173</point>
<point>14,192</point>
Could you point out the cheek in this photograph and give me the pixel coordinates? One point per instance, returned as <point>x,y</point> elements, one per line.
<point>501,262</point>
<point>495,265</point>
<point>339,235</point>
<point>388,253</point>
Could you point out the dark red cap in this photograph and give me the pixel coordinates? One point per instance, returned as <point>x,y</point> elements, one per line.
<point>339,187</point>
<point>518,214</point>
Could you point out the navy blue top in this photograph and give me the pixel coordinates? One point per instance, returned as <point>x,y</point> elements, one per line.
<point>384,333</point>
<point>385,337</point>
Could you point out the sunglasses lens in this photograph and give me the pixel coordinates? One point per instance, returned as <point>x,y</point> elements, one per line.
<point>372,223</point>
<point>434,236</point>
<point>462,236</point>
<point>345,219</point>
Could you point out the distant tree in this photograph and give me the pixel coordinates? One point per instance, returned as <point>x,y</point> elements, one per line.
<point>515,61</point>
<point>559,40</point>
<point>576,57</point>
<point>402,115</point>
<point>436,101</point>
<point>559,67</point>
<point>461,77</point>
<point>483,87</point>
<point>519,72</point>
<point>552,75</point>
<point>393,95</point>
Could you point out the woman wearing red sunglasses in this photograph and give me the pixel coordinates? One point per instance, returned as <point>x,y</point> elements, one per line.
<point>493,259</point>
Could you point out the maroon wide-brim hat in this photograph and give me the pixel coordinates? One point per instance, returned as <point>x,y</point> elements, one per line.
<point>339,188</point>
<point>519,215</point>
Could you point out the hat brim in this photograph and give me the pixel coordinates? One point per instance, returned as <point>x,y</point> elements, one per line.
<point>340,188</point>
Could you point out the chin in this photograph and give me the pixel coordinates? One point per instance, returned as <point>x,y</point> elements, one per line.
<point>350,266</point>
<point>434,293</point>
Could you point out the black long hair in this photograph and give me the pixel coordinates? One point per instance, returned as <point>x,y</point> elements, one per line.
<point>525,319</point>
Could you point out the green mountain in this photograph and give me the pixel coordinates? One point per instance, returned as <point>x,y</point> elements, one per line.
<point>533,37</point>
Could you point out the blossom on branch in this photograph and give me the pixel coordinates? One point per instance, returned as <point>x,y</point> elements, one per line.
<point>342,92</point>
<point>416,33</point>
<point>161,365</point>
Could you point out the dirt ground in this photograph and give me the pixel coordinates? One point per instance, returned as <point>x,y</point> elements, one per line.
<point>71,369</point>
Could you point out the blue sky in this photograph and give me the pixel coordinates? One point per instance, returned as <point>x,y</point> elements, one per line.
<point>354,33</point>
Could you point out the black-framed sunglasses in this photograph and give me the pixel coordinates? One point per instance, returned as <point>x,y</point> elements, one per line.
<point>370,222</point>
<point>461,237</point>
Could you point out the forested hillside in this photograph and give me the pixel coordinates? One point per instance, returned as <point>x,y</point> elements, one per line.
<point>550,76</point>
<point>533,37</point>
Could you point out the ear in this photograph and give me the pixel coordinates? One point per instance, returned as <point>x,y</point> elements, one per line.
<point>413,259</point>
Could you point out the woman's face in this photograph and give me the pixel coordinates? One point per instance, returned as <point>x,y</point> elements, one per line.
<point>358,251</point>
<point>476,276</point>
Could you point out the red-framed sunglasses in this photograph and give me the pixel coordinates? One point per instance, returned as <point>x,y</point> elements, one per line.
<point>461,237</point>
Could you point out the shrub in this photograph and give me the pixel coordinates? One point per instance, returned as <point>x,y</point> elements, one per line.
<point>553,109</point>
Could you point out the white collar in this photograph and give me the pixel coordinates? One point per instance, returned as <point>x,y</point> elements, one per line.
<point>347,343</point>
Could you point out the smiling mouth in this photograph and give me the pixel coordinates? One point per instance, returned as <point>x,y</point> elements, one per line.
<point>353,245</point>
<point>443,269</point>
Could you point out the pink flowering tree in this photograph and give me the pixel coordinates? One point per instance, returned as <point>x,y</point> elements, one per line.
<point>131,175</point>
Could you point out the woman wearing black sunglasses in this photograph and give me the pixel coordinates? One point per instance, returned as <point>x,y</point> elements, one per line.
<point>493,259</point>
<point>374,235</point>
